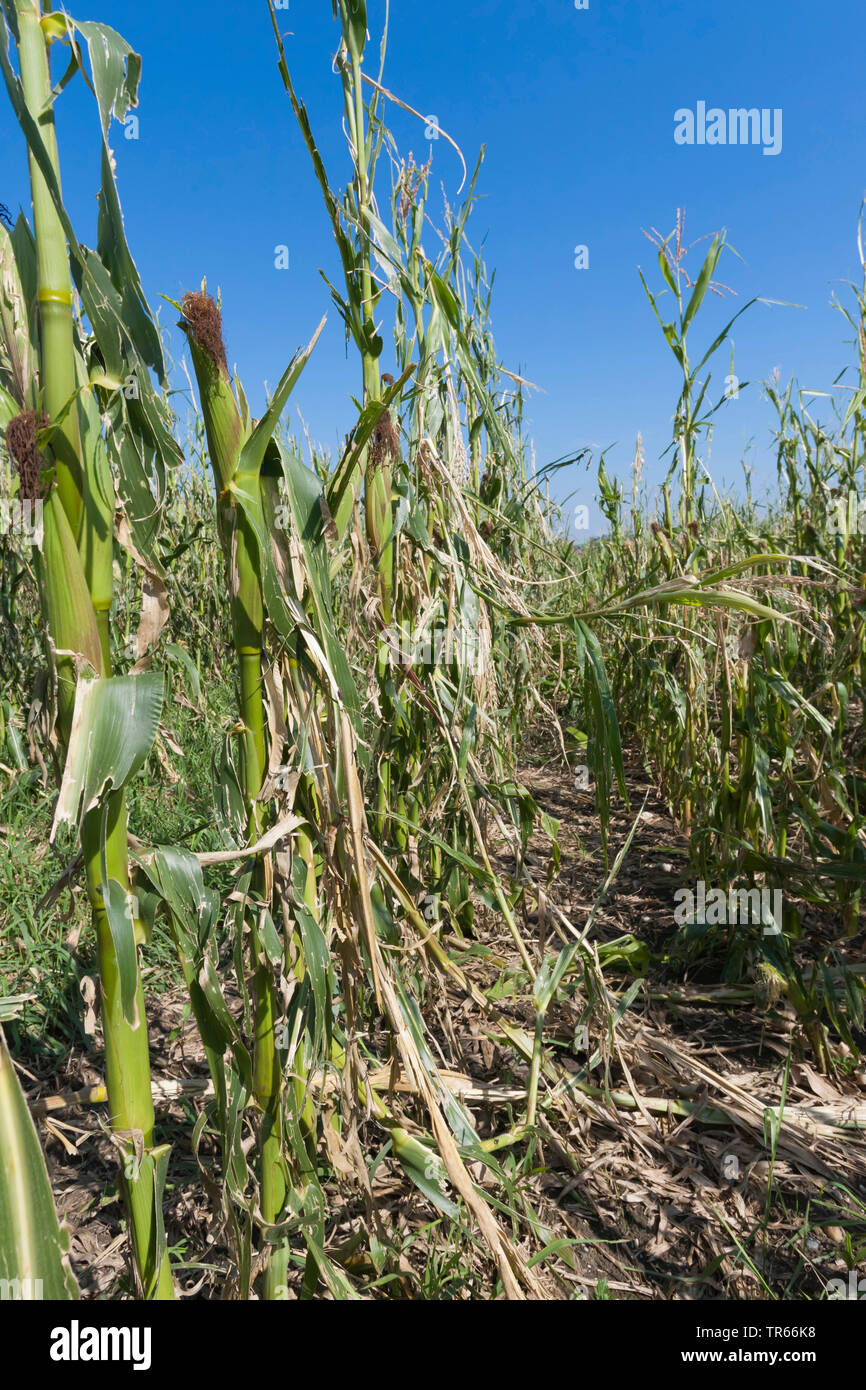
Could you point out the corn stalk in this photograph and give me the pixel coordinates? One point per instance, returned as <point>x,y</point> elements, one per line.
<point>237,451</point>
<point>59,450</point>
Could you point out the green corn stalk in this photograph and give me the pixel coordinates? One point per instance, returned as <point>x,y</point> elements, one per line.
<point>54,292</point>
<point>352,227</point>
<point>689,422</point>
<point>75,575</point>
<point>227,432</point>
<point>362,293</point>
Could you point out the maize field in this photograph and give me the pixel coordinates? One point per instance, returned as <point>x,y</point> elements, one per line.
<point>401,899</point>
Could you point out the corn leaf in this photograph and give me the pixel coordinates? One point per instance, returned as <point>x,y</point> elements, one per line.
<point>33,1246</point>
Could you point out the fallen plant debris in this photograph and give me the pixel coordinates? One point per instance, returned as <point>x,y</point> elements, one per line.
<point>400,901</point>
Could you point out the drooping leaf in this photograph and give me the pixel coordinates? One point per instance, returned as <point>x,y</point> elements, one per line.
<point>113,729</point>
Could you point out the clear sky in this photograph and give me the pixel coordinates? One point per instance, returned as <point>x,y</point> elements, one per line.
<point>577,110</point>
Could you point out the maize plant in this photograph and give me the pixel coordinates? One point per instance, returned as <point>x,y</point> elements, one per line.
<point>277,714</point>
<point>59,443</point>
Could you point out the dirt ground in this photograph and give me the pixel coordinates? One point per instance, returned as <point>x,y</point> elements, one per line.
<point>662,1166</point>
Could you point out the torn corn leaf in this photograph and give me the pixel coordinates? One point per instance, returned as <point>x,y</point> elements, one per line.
<point>114,725</point>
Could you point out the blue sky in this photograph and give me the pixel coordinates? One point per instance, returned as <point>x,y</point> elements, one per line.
<point>576,108</point>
